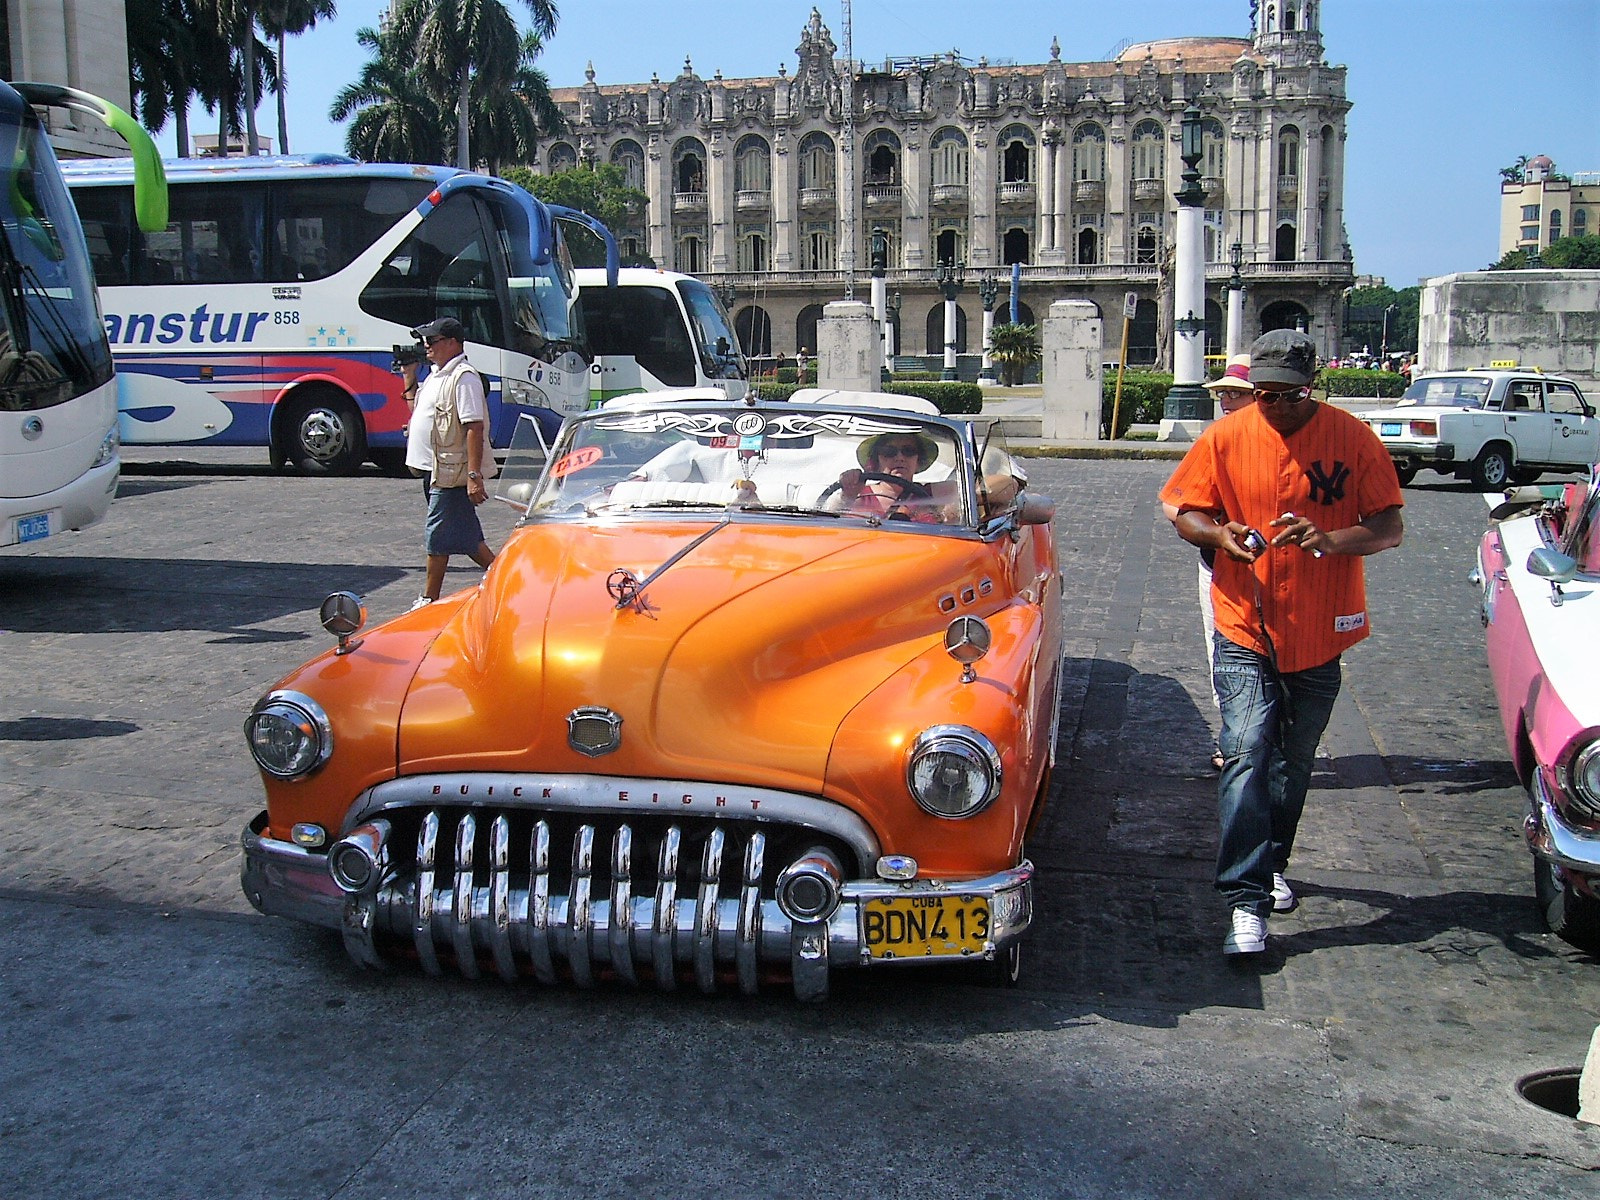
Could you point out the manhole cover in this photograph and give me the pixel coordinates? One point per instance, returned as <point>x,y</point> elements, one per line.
<point>1556,1090</point>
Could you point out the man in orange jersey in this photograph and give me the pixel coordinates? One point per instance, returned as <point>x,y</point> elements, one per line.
<point>1291,494</point>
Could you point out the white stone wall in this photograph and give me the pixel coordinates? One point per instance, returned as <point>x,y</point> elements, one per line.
<point>1545,319</point>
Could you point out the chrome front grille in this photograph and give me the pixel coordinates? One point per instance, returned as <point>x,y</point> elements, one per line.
<point>519,893</point>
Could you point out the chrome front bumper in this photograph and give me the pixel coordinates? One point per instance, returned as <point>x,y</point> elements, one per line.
<point>514,923</point>
<point>1552,838</point>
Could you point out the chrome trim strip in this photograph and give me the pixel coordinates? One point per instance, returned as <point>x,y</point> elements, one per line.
<point>422,914</point>
<point>544,969</point>
<point>500,898</point>
<point>620,936</point>
<point>705,914</point>
<point>747,938</point>
<point>1552,837</point>
<point>578,923</point>
<point>461,897</point>
<point>607,793</point>
<point>666,912</point>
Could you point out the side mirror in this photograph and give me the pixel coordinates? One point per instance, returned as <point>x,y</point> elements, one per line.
<point>1552,565</point>
<point>1035,510</point>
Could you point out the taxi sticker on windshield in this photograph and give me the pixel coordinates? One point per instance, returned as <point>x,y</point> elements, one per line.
<point>576,461</point>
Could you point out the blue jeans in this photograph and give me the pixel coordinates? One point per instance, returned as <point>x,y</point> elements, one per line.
<point>1271,724</point>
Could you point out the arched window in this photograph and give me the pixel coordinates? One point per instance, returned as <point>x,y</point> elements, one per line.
<point>949,148</point>
<point>1016,154</point>
<point>1147,245</point>
<point>1288,153</point>
<point>689,166</point>
<point>949,246</point>
<point>751,252</point>
<point>1014,247</point>
<point>1288,18</point>
<point>1283,250</point>
<point>561,157</point>
<point>816,161</point>
<point>1088,247</point>
<point>1580,222</point>
<point>1271,25</point>
<point>691,254</point>
<point>1555,223</point>
<point>935,329</point>
<point>882,153</point>
<point>1213,148</point>
<point>753,328</point>
<point>1089,152</point>
<point>805,328</point>
<point>1149,151</point>
<point>818,251</point>
<point>1284,314</point>
<point>752,165</point>
<point>629,155</point>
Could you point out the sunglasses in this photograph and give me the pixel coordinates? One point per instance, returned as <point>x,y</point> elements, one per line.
<point>1286,396</point>
<point>433,341</point>
<point>912,451</point>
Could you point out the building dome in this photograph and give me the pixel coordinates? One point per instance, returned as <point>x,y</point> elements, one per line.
<point>1543,161</point>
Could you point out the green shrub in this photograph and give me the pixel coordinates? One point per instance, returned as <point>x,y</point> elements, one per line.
<point>1144,395</point>
<point>953,399</point>
<point>1347,381</point>
<point>916,377</point>
<point>776,391</point>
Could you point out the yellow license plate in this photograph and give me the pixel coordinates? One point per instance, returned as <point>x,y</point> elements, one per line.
<point>924,926</point>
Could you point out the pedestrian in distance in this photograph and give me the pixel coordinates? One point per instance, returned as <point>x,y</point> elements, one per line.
<point>1291,494</point>
<point>1233,391</point>
<point>447,443</point>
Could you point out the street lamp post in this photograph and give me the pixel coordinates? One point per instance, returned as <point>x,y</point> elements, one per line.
<point>1188,399</point>
<point>1383,345</point>
<point>1235,338</point>
<point>950,276</point>
<point>988,292</point>
<point>891,329</point>
<point>880,299</point>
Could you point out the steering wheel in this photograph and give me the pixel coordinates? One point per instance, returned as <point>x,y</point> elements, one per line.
<point>909,489</point>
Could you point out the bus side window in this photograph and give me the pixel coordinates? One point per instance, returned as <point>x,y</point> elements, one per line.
<point>644,322</point>
<point>442,269</point>
<point>106,214</point>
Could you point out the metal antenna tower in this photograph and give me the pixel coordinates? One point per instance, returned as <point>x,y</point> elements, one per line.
<point>847,141</point>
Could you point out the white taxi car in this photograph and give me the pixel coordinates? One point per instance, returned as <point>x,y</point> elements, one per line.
<point>1494,427</point>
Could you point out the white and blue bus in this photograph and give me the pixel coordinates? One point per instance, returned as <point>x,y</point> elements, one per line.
<point>58,405</point>
<point>267,311</point>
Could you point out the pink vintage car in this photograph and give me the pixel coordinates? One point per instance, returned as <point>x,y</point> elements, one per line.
<point>1539,568</point>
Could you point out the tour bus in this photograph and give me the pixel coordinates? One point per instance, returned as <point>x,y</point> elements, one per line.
<point>657,329</point>
<point>58,404</point>
<point>269,310</point>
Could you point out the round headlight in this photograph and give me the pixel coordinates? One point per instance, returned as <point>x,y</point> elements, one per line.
<point>954,771</point>
<point>1586,780</point>
<point>289,735</point>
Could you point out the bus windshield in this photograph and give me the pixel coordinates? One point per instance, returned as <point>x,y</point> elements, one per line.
<point>52,345</point>
<point>719,348</point>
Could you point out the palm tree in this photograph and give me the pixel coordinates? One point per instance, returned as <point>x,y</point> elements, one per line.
<point>1015,348</point>
<point>506,128</point>
<point>174,54</point>
<point>396,118</point>
<point>280,18</point>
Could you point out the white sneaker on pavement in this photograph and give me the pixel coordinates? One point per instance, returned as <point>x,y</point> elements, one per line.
<point>1283,898</point>
<point>1248,935</point>
<point>421,602</point>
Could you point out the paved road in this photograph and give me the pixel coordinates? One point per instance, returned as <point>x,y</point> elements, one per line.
<point>161,1039</point>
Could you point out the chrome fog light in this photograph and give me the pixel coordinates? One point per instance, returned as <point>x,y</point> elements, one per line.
<point>808,889</point>
<point>358,860</point>
<point>897,866</point>
<point>289,735</point>
<point>954,771</point>
<point>308,836</point>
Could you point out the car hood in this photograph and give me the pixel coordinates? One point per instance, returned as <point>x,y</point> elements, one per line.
<point>749,652</point>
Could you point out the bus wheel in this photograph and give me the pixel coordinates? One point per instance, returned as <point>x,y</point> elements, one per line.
<point>324,434</point>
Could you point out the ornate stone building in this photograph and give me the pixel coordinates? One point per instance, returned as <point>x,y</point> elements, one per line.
<point>81,43</point>
<point>773,187</point>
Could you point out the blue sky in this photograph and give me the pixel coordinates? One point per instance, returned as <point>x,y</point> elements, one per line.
<point>1446,92</point>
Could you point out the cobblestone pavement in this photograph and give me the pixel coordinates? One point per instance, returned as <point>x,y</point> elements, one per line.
<point>162,1039</point>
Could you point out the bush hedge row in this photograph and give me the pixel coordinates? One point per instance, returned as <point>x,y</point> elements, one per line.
<point>1347,381</point>
<point>952,399</point>
<point>1144,394</point>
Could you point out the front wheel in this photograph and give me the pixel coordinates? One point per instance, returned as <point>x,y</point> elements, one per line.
<point>1568,913</point>
<point>1492,468</point>
<point>324,434</point>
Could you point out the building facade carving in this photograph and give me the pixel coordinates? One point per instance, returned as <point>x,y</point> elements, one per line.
<point>1068,169</point>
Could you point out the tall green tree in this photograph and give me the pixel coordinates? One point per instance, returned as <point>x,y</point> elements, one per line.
<point>1562,253</point>
<point>601,191</point>
<point>395,117</point>
<point>175,54</point>
<point>282,19</point>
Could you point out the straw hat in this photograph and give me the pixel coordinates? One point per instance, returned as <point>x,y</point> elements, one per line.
<point>1236,376</point>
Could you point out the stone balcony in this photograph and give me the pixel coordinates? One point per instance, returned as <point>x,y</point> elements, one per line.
<point>1089,191</point>
<point>752,200</point>
<point>1147,190</point>
<point>688,202</point>
<point>814,199</point>
<point>882,195</point>
<point>948,195</point>
<point>1021,193</point>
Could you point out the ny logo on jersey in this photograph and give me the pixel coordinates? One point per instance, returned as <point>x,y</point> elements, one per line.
<point>1327,486</point>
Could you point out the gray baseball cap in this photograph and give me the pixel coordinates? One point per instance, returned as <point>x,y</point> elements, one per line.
<point>1283,356</point>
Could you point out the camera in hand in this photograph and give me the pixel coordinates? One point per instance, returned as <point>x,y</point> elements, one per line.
<point>1252,541</point>
<point>406,356</point>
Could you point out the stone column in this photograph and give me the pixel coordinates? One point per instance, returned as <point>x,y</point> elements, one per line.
<point>1073,337</point>
<point>848,347</point>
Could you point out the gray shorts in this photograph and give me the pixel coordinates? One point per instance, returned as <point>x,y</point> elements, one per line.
<point>453,526</point>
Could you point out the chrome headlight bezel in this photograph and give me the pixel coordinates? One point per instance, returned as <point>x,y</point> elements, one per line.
<point>300,718</point>
<point>962,748</point>
<point>109,446</point>
<point>1583,780</point>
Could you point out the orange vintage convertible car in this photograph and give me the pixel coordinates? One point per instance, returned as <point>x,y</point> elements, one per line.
<point>753,691</point>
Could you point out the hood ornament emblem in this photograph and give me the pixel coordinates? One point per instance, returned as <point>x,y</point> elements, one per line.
<point>594,730</point>
<point>623,586</point>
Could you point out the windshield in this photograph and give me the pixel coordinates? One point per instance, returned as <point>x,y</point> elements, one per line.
<point>876,466</point>
<point>52,341</point>
<point>1458,391</point>
<point>720,356</point>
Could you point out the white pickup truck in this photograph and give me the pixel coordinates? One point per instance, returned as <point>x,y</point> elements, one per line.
<point>1493,427</point>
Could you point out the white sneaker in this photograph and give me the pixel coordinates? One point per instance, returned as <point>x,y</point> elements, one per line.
<point>421,602</point>
<point>1283,898</point>
<point>1248,935</point>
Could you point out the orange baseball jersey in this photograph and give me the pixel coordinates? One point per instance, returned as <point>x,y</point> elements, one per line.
<point>1332,470</point>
